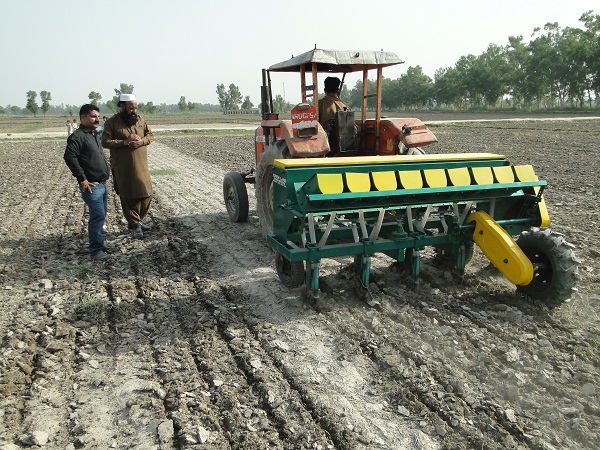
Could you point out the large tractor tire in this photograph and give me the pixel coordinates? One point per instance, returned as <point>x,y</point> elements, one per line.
<point>555,266</point>
<point>236,196</point>
<point>264,185</point>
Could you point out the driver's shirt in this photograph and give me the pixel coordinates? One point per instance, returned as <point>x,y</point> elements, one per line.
<point>328,106</point>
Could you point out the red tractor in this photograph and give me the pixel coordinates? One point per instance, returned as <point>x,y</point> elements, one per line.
<point>302,136</point>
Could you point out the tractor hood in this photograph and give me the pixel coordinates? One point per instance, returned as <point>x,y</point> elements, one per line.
<point>338,61</point>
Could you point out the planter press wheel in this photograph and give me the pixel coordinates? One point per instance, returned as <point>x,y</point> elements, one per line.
<point>264,185</point>
<point>555,266</point>
<point>235,196</point>
<point>291,273</point>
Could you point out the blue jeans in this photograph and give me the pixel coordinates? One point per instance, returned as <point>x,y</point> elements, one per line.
<point>97,202</point>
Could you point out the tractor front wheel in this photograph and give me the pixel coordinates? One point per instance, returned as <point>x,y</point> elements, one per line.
<point>555,267</point>
<point>236,196</point>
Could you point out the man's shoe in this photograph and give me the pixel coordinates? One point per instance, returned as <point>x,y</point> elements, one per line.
<point>110,250</point>
<point>99,256</point>
<point>137,231</point>
<point>145,227</point>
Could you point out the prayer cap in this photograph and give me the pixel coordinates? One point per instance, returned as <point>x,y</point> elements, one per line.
<point>127,98</point>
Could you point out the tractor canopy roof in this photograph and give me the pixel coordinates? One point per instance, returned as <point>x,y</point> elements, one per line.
<point>343,61</point>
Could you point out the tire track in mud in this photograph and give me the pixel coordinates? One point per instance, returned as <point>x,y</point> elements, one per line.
<point>432,375</point>
<point>341,391</point>
<point>61,381</point>
<point>497,349</point>
<point>212,394</point>
<point>36,340</point>
<point>483,381</point>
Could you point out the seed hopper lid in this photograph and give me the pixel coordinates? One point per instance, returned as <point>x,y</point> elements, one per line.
<point>338,61</point>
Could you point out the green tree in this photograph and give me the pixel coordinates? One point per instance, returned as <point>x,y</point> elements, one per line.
<point>591,37</point>
<point>149,107</point>
<point>391,94</point>
<point>543,69</point>
<point>414,88</point>
<point>354,97</point>
<point>574,77</point>
<point>470,79</point>
<point>490,74</point>
<point>229,99</point>
<point>224,98</point>
<point>280,106</point>
<point>32,103</point>
<point>235,96</point>
<point>247,103</point>
<point>447,89</point>
<point>94,97</point>
<point>46,99</point>
<point>182,104</point>
<point>191,106</point>
<point>518,57</point>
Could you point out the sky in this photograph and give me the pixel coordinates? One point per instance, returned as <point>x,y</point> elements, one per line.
<point>175,48</point>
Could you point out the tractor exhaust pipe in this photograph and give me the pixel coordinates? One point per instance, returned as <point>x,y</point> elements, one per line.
<point>265,95</point>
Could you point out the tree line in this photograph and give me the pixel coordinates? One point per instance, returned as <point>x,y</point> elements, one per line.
<point>230,99</point>
<point>109,106</point>
<point>557,68</point>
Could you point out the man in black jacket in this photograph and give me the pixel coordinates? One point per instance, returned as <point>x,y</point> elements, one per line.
<point>85,158</point>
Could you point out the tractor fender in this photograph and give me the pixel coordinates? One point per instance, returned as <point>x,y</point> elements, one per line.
<point>304,147</point>
<point>394,133</point>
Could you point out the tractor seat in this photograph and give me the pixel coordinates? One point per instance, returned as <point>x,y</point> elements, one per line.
<point>342,134</point>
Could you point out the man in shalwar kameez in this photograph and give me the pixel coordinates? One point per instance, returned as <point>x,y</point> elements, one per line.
<point>127,136</point>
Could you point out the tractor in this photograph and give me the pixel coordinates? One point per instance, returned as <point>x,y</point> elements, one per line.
<point>366,186</point>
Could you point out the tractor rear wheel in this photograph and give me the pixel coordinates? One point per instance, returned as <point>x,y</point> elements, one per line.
<point>236,196</point>
<point>555,266</point>
<point>264,185</point>
<point>291,273</point>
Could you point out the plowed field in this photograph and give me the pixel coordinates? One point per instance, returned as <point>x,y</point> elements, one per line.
<point>186,339</point>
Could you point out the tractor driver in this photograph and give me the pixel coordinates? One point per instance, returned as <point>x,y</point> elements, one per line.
<point>330,104</point>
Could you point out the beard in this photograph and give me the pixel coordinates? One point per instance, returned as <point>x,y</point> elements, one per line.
<point>130,119</point>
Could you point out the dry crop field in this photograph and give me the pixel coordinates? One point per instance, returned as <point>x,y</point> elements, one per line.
<point>187,340</point>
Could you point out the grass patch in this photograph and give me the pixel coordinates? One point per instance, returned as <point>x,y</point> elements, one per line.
<point>163,172</point>
<point>92,310</point>
<point>84,271</point>
<point>99,310</point>
<point>31,127</point>
<point>589,350</point>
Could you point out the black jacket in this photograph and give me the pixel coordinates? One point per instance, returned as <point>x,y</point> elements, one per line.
<point>85,157</point>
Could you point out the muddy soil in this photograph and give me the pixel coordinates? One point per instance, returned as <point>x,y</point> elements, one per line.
<point>187,339</point>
